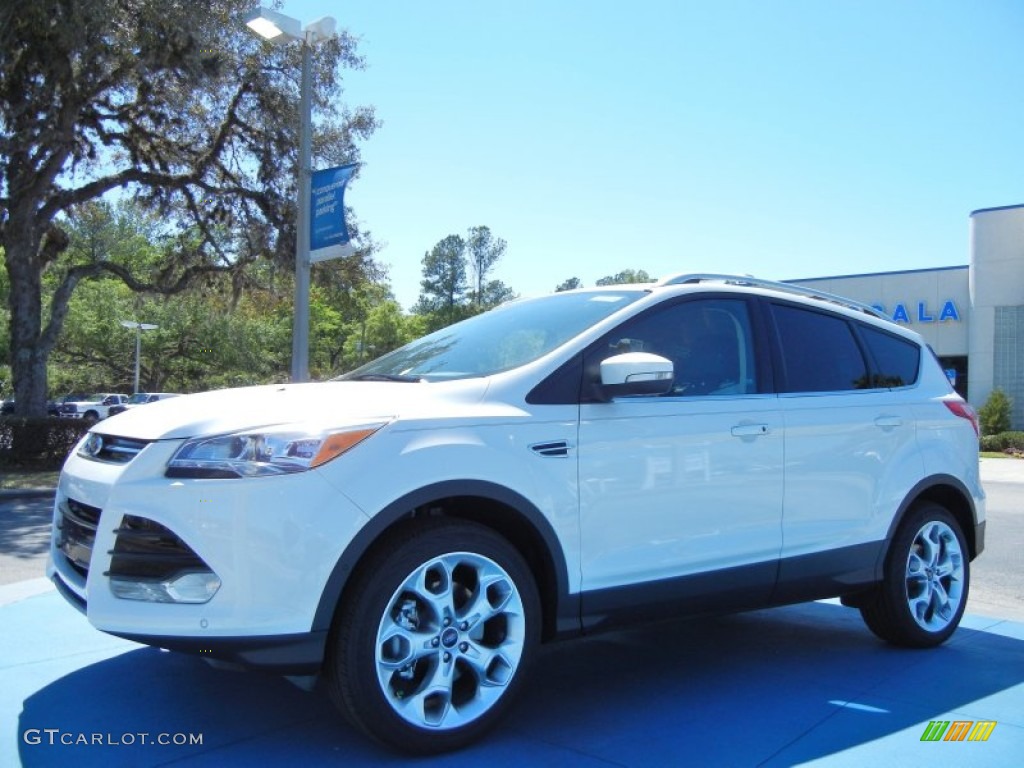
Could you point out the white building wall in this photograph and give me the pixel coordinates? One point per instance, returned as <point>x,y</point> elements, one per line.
<point>997,296</point>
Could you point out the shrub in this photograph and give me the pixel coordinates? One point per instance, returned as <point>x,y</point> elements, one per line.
<point>995,413</point>
<point>1008,442</point>
<point>38,443</point>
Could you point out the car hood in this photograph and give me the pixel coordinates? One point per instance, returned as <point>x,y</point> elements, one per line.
<point>324,404</point>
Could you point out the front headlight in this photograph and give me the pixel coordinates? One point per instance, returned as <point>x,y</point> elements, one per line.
<point>259,453</point>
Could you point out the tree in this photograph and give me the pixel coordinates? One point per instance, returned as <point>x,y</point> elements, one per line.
<point>995,415</point>
<point>626,276</point>
<point>569,285</point>
<point>495,293</point>
<point>443,287</point>
<point>483,252</point>
<point>176,104</point>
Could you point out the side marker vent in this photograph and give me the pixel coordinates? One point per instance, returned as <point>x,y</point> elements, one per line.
<point>554,449</point>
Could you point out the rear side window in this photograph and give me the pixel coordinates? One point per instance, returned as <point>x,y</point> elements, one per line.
<point>819,352</point>
<point>897,360</point>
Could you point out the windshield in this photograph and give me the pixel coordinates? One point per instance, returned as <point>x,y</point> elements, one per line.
<point>138,398</point>
<point>511,335</point>
<point>94,398</point>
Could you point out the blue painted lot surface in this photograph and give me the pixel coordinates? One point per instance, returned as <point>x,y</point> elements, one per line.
<point>799,685</point>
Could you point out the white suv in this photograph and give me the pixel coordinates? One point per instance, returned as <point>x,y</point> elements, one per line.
<point>554,467</point>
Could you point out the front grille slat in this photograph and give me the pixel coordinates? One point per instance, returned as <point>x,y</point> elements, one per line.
<point>114,449</point>
<point>77,533</point>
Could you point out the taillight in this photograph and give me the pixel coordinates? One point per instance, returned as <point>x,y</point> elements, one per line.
<point>964,411</point>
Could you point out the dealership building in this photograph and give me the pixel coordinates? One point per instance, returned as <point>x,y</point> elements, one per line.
<point>972,315</point>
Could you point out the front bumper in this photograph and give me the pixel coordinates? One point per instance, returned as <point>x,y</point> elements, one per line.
<point>272,543</point>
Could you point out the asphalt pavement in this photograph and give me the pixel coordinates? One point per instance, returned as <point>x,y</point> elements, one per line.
<point>800,685</point>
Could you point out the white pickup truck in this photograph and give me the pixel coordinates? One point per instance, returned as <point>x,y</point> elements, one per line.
<point>94,407</point>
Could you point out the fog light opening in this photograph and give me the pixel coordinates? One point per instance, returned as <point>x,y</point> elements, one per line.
<point>192,588</point>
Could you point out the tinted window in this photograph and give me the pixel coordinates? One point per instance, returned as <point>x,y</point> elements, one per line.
<point>819,351</point>
<point>708,341</point>
<point>896,360</point>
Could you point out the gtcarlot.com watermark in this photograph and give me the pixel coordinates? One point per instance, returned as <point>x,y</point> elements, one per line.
<point>55,736</point>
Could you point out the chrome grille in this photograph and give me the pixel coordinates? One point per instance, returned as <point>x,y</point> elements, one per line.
<point>118,450</point>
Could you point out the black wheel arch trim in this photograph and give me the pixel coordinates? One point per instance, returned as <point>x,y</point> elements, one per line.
<point>565,616</point>
<point>974,531</point>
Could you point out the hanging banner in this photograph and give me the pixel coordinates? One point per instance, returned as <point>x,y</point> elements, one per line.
<point>328,235</point>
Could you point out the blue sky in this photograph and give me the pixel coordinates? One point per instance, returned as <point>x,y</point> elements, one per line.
<point>781,138</point>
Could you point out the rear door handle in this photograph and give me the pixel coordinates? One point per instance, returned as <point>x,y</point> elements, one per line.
<point>749,430</point>
<point>888,422</point>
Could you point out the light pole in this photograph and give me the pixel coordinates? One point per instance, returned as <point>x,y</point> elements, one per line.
<point>280,29</point>
<point>139,328</point>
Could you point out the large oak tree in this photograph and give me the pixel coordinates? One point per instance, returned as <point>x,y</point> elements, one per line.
<point>172,102</point>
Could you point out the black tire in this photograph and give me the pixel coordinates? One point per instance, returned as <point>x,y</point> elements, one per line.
<point>926,582</point>
<point>434,636</point>
<point>90,416</point>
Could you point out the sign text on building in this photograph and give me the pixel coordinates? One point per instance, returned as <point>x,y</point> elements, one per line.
<point>948,313</point>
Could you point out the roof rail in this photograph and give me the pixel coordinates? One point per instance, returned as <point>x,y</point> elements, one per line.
<point>799,290</point>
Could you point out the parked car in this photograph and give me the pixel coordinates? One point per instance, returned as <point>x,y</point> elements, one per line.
<point>94,407</point>
<point>54,407</point>
<point>557,466</point>
<point>141,398</point>
<point>8,409</point>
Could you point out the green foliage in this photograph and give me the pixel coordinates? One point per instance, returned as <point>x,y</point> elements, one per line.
<point>483,251</point>
<point>626,276</point>
<point>443,298</point>
<point>38,443</point>
<point>446,294</point>
<point>175,105</point>
<point>1007,442</point>
<point>222,330</point>
<point>569,285</point>
<point>995,415</point>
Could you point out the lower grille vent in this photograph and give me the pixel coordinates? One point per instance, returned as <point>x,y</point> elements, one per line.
<point>77,533</point>
<point>145,550</point>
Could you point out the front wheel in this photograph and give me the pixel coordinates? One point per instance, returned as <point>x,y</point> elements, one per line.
<point>926,582</point>
<point>434,637</point>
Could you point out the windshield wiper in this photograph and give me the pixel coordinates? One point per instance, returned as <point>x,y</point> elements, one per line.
<point>385,377</point>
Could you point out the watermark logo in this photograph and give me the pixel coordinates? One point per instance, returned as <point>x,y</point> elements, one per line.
<point>55,736</point>
<point>958,730</point>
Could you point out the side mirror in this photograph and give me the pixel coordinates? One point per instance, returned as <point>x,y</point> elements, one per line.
<point>636,373</point>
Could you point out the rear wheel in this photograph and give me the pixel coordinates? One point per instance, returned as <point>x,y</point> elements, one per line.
<point>434,637</point>
<point>926,582</point>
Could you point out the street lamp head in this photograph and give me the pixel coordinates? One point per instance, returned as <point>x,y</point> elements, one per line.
<point>139,326</point>
<point>320,30</point>
<point>273,26</point>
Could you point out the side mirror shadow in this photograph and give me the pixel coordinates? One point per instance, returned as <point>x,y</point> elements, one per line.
<point>636,373</point>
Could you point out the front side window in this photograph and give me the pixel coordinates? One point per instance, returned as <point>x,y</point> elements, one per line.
<point>819,351</point>
<point>709,342</point>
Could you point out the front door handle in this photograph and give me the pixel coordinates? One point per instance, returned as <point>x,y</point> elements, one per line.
<point>888,422</point>
<point>749,430</point>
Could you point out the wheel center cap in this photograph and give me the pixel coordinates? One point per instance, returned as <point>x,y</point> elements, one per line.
<point>450,637</point>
